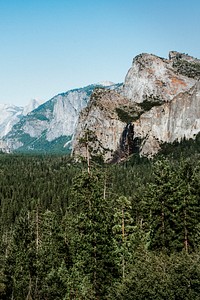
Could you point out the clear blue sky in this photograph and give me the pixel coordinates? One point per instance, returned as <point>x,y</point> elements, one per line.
<point>51,46</point>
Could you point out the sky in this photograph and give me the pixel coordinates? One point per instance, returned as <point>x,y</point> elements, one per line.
<point>51,46</point>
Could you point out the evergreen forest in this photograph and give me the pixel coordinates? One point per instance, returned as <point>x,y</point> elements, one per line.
<point>129,231</point>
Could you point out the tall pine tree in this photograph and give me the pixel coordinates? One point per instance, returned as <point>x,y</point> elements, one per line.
<point>90,232</point>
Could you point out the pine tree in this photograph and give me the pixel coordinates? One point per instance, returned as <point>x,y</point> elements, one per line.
<point>91,232</point>
<point>123,230</point>
<point>53,255</point>
<point>160,198</point>
<point>174,206</point>
<point>187,207</point>
<point>21,261</point>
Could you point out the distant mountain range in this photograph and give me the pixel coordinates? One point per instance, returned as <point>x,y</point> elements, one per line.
<point>45,128</point>
<point>159,102</point>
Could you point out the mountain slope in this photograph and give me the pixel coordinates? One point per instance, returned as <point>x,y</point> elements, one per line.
<point>51,126</point>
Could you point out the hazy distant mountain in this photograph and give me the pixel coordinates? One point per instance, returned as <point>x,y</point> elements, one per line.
<point>50,127</point>
<point>11,114</point>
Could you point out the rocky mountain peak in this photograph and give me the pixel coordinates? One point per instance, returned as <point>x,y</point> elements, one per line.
<point>159,102</point>
<point>153,77</point>
<point>33,104</point>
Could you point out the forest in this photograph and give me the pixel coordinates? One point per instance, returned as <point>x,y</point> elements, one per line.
<point>124,231</point>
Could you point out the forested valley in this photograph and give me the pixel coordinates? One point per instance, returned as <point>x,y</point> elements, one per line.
<point>124,231</point>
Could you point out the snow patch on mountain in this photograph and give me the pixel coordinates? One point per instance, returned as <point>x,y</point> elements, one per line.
<point>106,83</point>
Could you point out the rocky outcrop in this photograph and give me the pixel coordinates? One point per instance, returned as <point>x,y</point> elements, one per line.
<point>4,147</point>
<point>159,102</point>
<point>152,77</point>
<point>175,56</point>
<point>100,127</point>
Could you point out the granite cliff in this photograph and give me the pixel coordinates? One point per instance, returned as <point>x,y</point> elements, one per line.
<point>158,103</point>
<point>99,126</point>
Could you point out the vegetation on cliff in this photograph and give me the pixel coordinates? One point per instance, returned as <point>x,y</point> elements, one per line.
<point>189,69</point>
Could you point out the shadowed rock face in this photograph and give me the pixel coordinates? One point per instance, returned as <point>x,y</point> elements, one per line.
<point>102,120</point>
<point>158,103</point>
<point>172,121</point>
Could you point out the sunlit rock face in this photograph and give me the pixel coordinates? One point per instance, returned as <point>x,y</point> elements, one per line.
<point>152,77</point>
<point>54,119</point>
<point>159,99</point>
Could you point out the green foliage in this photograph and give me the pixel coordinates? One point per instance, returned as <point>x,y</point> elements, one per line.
<point>130,114</point>
<point>124,116</point>
<point>90,232</point>
<point>183,149</point>
<point>150,102</point>
<point>2,285</point>
<point>125,231</point>
<point>189,69</point>
<point>174,205</point>
<point>42,146</point>
<point>160,277</point>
